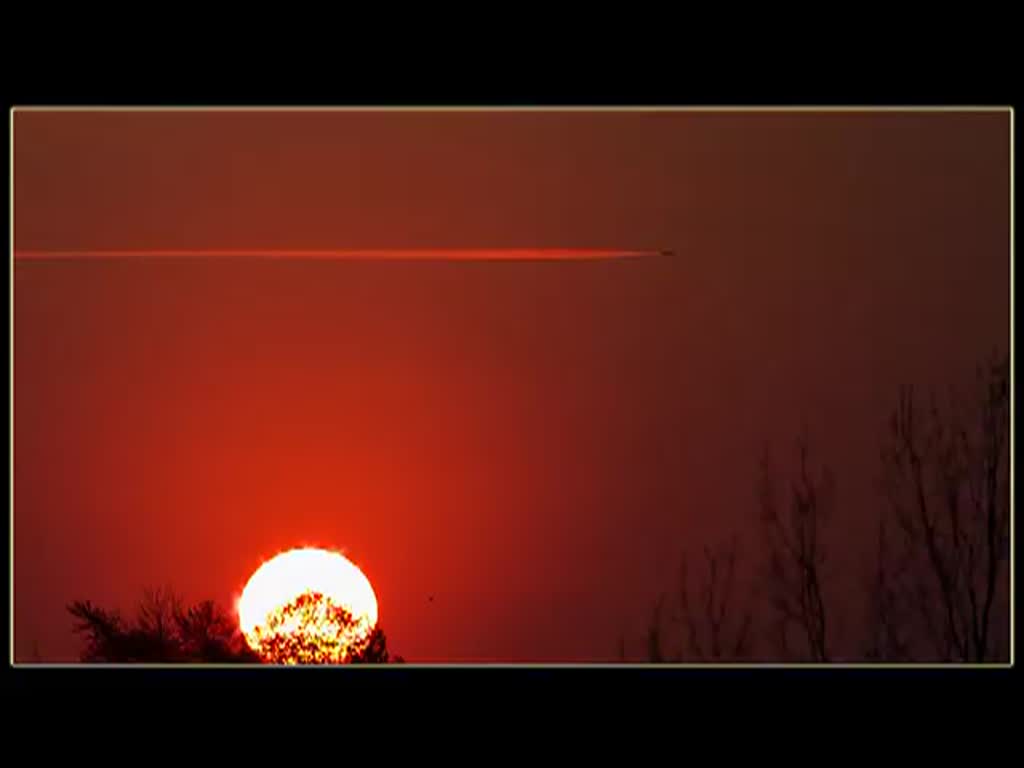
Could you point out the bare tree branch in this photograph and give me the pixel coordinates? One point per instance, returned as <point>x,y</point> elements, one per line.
<point>946,473</point>
<point>715,625</point>
<point>796,554</point>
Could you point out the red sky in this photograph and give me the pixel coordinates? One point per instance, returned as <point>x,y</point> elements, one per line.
<point>532,443</point>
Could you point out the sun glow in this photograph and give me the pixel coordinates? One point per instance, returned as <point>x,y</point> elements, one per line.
<point>307,606</point>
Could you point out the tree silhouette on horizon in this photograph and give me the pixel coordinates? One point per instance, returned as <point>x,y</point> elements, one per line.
<point>164,631</point>
<point>938,590</point>
<point>317,631</point>
<point>944,535</point>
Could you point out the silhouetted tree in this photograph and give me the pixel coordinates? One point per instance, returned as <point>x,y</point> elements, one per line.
<point>796,555</point>
<point>163,631</point>
<point>939,588</point>
<point>374,650</point>
<point>312,629</point>
<point>654,652</point>
<point>207,633</point>
<point>888,623</point>
<point>943,542</point>
<point>157,623</point>
<point>715,626</point>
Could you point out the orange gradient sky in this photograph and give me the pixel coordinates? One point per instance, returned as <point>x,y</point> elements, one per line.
<point>515,452</point>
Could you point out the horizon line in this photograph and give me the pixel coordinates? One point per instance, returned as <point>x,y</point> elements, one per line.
<point>348,254</point>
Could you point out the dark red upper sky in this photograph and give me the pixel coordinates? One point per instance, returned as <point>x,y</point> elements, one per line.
<point>531,443</point>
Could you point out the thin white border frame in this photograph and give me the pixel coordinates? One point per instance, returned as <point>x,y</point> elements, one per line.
<point>850,109</point>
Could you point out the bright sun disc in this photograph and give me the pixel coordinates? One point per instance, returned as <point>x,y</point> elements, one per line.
<point>289,610</point>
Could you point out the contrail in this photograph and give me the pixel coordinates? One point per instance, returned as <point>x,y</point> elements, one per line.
<point>362,254</point>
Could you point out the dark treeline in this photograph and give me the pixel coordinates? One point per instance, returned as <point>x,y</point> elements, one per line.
<point>164,631</point>
<point>938,589</point>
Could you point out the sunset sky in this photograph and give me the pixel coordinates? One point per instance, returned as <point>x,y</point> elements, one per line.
<point>517,452</point>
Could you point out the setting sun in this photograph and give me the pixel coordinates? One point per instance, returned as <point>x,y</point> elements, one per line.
<point>307,606</point>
